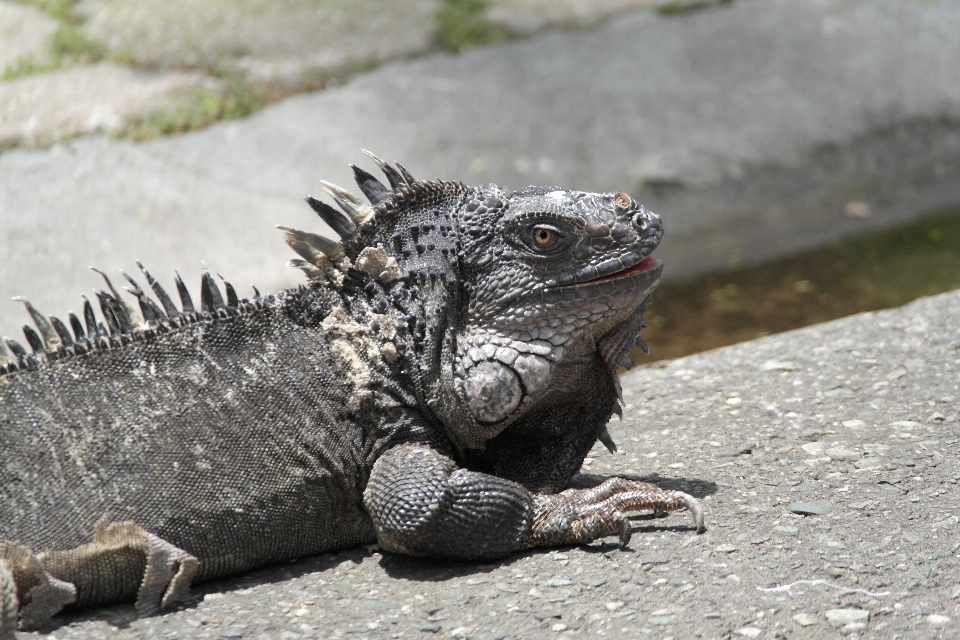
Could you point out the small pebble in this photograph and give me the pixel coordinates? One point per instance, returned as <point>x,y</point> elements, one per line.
<point>844,455</point>
<point>749,632</point>
<point>842,617</point>
<point>814,448</point>
<point>811,507</point>
<point>723,453</point>
<point>725,548</point>
<point>938,620</point>
<point>594,581</point>
<point>811,435</point>
<point>872,462</point>
<point>559,627</point>
<point>786,530</point>
<point>747,447</point>
<point>805,619</point>
<point>854,424</point>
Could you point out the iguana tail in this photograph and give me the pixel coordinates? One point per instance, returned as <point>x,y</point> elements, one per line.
<point>8,603</point>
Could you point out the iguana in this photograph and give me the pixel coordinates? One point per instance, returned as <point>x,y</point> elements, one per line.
<point>434,387</point>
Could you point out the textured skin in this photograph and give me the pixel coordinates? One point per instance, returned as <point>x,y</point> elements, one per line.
<point>435,386</point>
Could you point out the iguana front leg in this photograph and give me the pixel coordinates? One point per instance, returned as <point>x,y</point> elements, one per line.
<point>423,505</point>
<point>123,562</point>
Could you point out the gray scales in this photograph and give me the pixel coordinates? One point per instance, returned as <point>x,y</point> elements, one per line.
<point>434,388</point>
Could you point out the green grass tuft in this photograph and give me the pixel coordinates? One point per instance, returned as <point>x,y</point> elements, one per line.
<point>679,8</point>
<point>67,46</point>
<point>25,67</point>
<point>463,23</point>
<point>197,111</point>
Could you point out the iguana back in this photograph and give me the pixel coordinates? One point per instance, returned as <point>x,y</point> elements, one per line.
<point>237,421</point>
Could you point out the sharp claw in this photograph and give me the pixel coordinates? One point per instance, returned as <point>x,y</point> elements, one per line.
<point>607,440</point>
<point>626,532</point>
<point>693,506</point>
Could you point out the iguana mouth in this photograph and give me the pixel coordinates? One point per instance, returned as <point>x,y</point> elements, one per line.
<point>630,264</point>
<point>647,264</point>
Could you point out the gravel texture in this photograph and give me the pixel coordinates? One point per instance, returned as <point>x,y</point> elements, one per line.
<point>881,562</point>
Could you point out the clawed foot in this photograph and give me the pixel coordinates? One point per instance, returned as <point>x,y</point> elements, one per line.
<point>122,562</point>
<point>579,516</point>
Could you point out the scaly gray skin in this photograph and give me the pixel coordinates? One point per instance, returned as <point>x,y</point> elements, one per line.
<point>434,388</point>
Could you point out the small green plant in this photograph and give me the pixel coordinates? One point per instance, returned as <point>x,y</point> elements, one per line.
<point>199,110</point>
<point>463,23</point>
<point>69,46</point>
<point>25,67</point>
<point>682,6</point>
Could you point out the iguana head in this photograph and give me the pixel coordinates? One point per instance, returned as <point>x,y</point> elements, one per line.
<point>502,289</point>
<point>548,272</point>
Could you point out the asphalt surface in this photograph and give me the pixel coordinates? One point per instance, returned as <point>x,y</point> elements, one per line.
<point>824,458</point>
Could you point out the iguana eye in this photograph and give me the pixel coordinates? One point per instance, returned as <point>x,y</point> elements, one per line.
<point>544,236</point>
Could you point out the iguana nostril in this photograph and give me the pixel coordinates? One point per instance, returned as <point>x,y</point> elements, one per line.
<point>641,221</point>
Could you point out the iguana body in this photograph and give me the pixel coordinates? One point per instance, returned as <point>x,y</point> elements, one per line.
<point>441,378</point>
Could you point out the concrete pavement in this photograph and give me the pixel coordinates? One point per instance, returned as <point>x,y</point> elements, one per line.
<point>748,126</point>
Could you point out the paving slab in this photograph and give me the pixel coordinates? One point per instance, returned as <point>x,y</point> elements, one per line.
<point>39,109</point>
<point>733,427</point>
<point>748,126</point>
<point>272,48</point>
<point>297,43</point>
<point>282,43</point>
<point>24,31</point>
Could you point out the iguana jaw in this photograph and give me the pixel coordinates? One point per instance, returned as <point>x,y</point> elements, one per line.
<point>645,265</point>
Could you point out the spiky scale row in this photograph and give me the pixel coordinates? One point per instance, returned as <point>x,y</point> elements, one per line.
<point>168,307</point>
<point>341,224</point>
<point>185,300</point>
<point>52,338</point>
<point>319,255</point>
<point>372,188</point>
